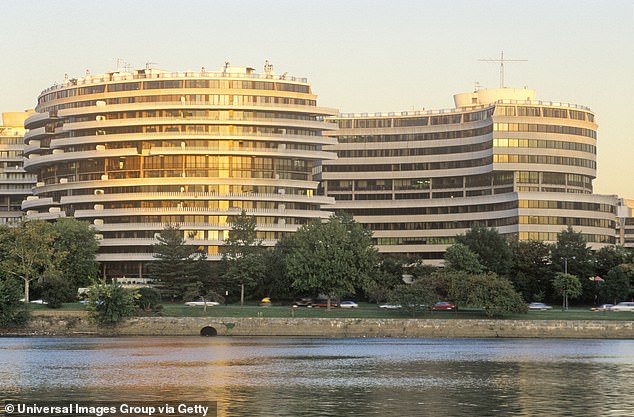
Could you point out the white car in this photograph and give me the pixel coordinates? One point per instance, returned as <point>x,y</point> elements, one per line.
<point>348,304</point>
<point>201,302</point>
<point>390,306</point>
<point>623,306</point>
<point>539,306</point>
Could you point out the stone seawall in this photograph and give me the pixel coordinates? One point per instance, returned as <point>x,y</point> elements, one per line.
<point>77,324</point>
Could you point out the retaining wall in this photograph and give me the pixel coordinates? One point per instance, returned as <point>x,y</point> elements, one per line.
<point>76,324</point>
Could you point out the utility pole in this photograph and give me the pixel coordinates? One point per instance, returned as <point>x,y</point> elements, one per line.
<point>502,61</point>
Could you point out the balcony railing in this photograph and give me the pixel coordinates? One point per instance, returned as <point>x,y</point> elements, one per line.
<point>158,75</point>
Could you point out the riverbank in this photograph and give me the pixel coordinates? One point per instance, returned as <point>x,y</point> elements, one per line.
<point>76,323</point>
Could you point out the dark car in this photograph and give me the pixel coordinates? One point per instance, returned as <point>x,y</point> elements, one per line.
<point>443,306</point>
<point>303,302</point>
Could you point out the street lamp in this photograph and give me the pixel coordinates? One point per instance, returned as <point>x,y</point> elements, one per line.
<point>566,264</point>
<point>566,289</point>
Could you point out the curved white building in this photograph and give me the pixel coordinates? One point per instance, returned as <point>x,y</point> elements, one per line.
<point>15,182</point>
<point>500,159</point>
<point>133,152</point>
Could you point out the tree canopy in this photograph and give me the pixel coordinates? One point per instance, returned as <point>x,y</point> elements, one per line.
<point>244,256</point>
<point>493,293</point>
<point>29,252</point>
<point>76,240</point>
<point>531,272</point>
<point>175,263</point>
<point>616,286</point>
<point>331,258</point>
<point>492,249</point>
<point>417,296</point>
<point>460,258</point>
<point>568,286</point>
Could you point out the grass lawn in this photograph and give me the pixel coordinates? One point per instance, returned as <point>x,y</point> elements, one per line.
<point>365,310</point>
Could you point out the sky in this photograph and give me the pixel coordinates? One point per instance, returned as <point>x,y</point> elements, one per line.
<point>359,56</point>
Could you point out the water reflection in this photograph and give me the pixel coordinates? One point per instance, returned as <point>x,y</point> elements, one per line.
<point>324,377</point>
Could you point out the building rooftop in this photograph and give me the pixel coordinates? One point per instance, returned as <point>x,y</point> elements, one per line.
<point>227,71</point>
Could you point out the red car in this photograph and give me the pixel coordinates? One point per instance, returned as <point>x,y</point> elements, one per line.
<point>324,303</point>
<point>443,305</point>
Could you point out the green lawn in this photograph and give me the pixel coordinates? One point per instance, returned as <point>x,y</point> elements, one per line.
<point>365,310</point>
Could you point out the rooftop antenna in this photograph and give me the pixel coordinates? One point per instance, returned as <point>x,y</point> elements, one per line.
<point>268,67</point>
<point>120,64</point>
<point>148,65</point>
<point>123,65</point>
<point>502,61</point>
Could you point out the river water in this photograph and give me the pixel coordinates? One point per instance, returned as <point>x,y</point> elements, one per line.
<point>329,377</point>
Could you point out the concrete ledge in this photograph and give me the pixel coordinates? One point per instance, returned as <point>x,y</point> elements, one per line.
<point>77,324</point>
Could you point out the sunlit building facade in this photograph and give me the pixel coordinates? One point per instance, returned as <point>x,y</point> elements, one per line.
<point>499,159</point>
<point>132,152</point>
<point>15,182</point>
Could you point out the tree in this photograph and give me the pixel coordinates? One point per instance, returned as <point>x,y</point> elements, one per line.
<point>459,257</point>
<point>29,252</point>
<point>413,297</point>
<point>531,273</point>
<point>10,293</point>
<point>572,246</point>
<point>76,245</point>
<point>108,304</point>
<point>243,255</point>
<point>332,258</point>
<point>418,269</point>
<point>493,293</point>
<point>572,255</point>
<point>617,284</point>
<point>276,282</point>
<point>492,249</point>
<point>568,286</point>
<point>608,257</point>
<point>387,276</point>
<point>174,262</point>
<point>55,289</point>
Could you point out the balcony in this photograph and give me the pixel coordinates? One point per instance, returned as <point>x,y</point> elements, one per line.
<point>188,196</point>
<point>198,211</point>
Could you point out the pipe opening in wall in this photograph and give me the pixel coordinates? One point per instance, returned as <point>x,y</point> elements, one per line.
<point>208,331</point>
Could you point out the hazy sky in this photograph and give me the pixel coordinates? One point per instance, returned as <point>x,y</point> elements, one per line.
<point>360,56</point>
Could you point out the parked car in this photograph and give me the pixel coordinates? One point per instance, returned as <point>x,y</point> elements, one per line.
<point>623,306</point>
<point>348,304</point>
<point>443,306</point>
<point>602,307</point>
<point>539,306</point>
<point>303,302</point>
<point>324,303</point>
<point>201,302</point>
<point>390,306</point>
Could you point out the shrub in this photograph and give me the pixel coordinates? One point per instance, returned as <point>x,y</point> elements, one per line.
<point>108,304</point>
<point>148,300</point>
<point>55,290</point>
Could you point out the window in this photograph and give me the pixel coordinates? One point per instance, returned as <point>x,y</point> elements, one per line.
<point>528,111</point>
